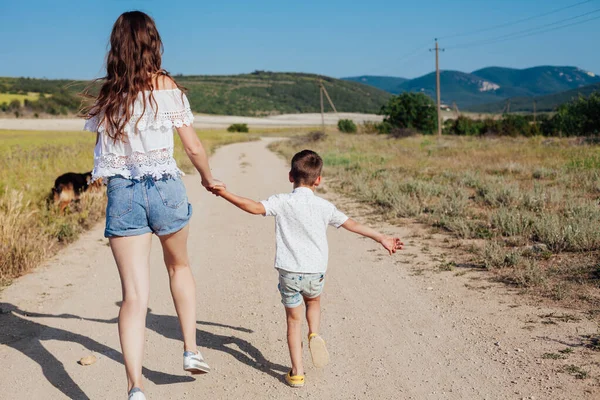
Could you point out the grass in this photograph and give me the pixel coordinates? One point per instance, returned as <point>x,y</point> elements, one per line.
<point>8,97</point>
<point>31,229</point>
<point>529,204</point>
<point>577,372</point>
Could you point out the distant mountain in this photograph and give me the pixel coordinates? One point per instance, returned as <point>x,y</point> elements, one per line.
<point>459,87</point>
<point>493,84</point>
<point>258,93</point>
<point>537,81</point>
<point>388,83</point>
<point>544,103</point>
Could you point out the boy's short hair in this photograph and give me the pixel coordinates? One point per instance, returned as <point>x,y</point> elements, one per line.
<point>306,167</point>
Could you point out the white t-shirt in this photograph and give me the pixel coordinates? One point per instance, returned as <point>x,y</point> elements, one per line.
<point>301,221</point>
<point>148,146</point>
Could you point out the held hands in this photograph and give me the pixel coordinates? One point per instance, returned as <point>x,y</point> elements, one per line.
<point>218,190</point>
<point>391,244</point>
<point>212,184</point>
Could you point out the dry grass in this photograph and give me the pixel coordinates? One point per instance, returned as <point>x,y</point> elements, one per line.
<point>30,228</point>
<point>7,97</point>
<point>530,203</point>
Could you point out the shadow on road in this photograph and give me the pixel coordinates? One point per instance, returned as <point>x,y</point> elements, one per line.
<point>168,326</point>
<point>25,335</point>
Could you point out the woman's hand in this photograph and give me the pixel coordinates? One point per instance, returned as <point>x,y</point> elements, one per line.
<point>210,184</point>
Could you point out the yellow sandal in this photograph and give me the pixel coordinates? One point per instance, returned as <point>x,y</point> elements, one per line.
<point>295,381</point>
<point>318,350</point>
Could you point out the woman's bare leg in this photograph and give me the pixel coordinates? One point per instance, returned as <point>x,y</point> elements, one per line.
<point>183,285</point>
<point>132,255</point>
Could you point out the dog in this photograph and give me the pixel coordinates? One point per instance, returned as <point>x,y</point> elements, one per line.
<point>68,188</point>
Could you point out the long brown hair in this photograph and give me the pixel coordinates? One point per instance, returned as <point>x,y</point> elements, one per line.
<point>133,63</point>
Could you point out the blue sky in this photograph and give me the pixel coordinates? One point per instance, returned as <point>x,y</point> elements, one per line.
<point>67,39</point>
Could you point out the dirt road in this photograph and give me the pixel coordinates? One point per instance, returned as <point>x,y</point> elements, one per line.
<point>396,329</point>
<point>202,121</point>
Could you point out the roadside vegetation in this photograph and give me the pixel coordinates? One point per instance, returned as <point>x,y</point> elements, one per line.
<point>31,227</point>
<point>525,208</point>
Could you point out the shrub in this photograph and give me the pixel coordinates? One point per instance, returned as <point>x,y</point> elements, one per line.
<point>384,128</point>
<point>495,256</point>
<point>14,105</point>
<point>510,222</point>
<point>238,128</point>
<point>515,125</point>
<point>347,126</point>
<point>402,132</point>
<point>464,126</point>
<point>315,136</point>
<point>578,118</point>
<point>529,274</point>
<point>411,110</point>
<point>369,128</point>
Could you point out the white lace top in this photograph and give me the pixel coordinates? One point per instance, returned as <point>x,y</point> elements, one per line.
<point>148,149</point>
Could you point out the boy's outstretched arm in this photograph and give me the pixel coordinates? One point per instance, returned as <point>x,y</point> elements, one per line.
<point>250,206</point>
<point>391,244</point>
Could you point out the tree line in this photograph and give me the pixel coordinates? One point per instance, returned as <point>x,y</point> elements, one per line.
<point>409,113</point>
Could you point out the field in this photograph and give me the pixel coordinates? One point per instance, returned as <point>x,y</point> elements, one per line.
<point>30,228</point>
<point>7,97</point>
<point>524,208</point>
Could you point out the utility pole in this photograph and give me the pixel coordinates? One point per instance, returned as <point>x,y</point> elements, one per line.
<point>322,108</point>
<point>534,112</point>
<point>437,85</point>
<point>322,91</point>
<point>456,111</point>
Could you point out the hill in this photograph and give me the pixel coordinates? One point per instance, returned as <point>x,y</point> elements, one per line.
<point>489,85</point>
<point>255,94</point>
<point>537,81</point>
<point>462,88</point>
<point>388,83</point>
<point>544,103</point>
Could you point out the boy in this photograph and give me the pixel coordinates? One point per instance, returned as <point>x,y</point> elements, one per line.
<point>301,220</point>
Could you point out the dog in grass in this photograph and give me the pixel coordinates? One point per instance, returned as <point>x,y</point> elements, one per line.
<point>68,188</point>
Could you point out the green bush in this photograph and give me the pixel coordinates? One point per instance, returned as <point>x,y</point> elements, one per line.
<point>14,105</point>
<point>411,110</point>
<point>238,128</point>
<point>463,126</point>
<point>581,117</point>
<point>384,128</point>
<point>369,128</point>
<point>515,125</point>
<point>347,126</point>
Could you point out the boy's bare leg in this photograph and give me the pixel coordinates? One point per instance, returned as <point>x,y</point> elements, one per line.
<point>318,349</point>
<point>294,338</point>
<point>313,314</point>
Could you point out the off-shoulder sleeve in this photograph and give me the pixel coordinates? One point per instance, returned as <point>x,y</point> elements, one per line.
<point>173,108</point>
<point>91,124</point>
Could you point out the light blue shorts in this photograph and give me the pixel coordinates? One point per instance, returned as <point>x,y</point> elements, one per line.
<point>295,286</point>
<point>142,206</point>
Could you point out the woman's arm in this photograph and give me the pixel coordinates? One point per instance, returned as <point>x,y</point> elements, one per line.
<point>195,151</point>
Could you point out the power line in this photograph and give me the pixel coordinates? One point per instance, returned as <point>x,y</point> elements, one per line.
<point>511,23</point>
<point>529,32</point>
<point>404,57</point>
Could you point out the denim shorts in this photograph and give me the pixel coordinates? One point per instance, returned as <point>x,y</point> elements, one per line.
<point>143,206</point>
<point>295,286</point>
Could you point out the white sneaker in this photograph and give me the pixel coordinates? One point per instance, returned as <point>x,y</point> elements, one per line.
<point>194,363</point>
<point>136,394</point>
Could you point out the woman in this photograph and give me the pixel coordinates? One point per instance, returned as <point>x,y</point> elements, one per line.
<point>134,114</point>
